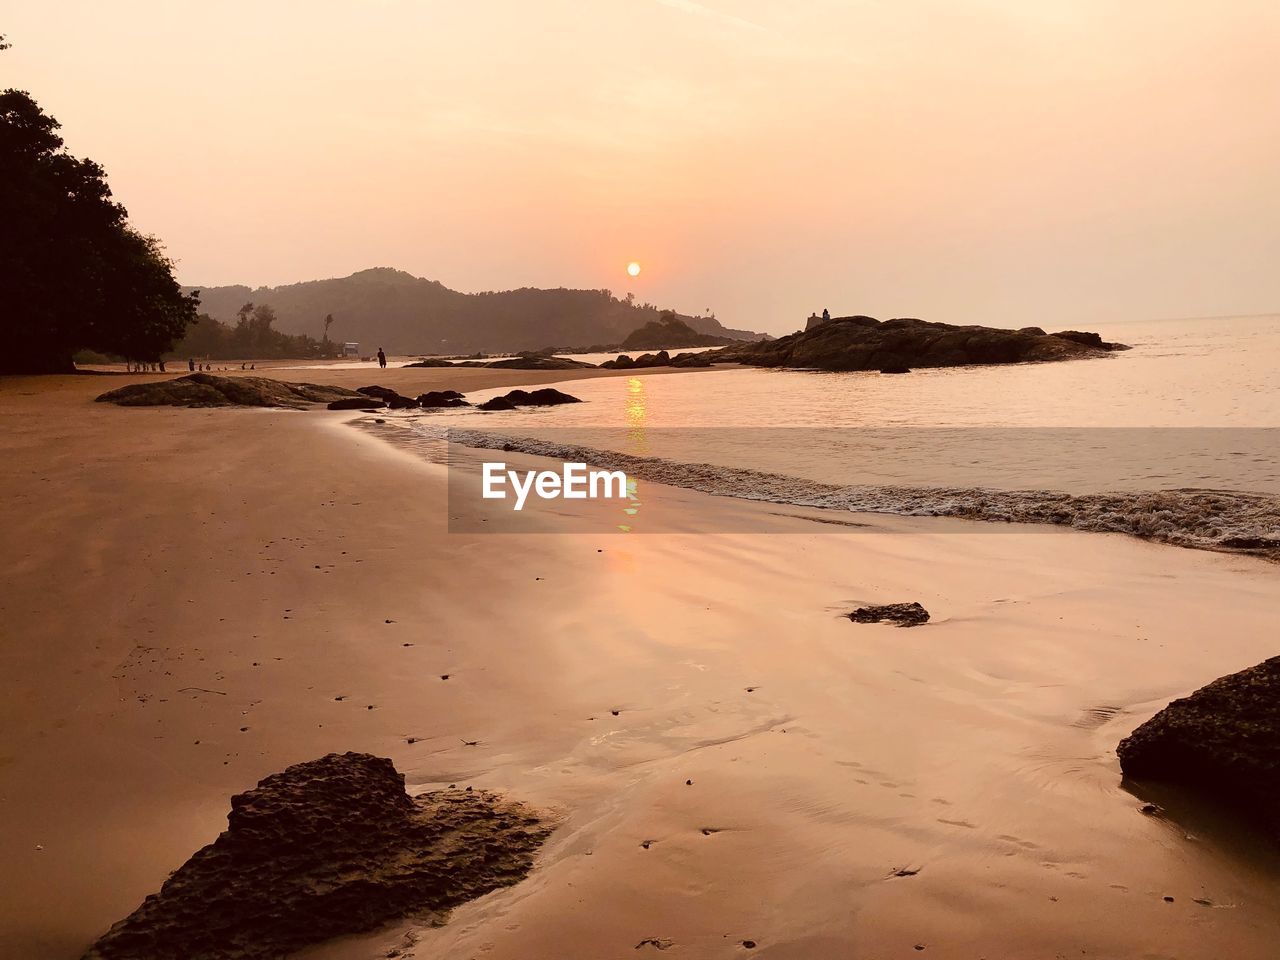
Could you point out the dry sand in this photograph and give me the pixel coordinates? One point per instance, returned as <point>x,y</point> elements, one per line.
<point>197,598</point>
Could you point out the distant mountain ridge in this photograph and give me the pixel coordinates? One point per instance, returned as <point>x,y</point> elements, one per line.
<point>389,308</point>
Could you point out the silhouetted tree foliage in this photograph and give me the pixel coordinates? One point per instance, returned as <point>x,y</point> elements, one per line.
<point>408,314</point>
<point>73,273</point>
<point>251,337</point>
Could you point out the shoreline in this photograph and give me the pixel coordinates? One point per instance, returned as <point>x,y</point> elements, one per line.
<point>1230,522</point>
<point>161,554</point>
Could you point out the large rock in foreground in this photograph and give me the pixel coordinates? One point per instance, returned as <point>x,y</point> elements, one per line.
<point>1223,742</point>
<point>328,847</point>
<point>206,390</point>
<point>864,343</point>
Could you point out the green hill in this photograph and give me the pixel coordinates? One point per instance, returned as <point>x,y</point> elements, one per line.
<point>410,315</point>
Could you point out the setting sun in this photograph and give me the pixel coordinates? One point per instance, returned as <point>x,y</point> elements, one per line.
<point>633,269</point>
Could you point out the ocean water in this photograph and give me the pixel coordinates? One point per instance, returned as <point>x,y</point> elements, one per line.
<point>1177,439</point>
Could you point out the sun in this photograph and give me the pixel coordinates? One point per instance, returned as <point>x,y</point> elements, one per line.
<point>633,269</point>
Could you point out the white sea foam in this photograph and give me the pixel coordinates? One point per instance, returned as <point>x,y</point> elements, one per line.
<point>1204,519</point>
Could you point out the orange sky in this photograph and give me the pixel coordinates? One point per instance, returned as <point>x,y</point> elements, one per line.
<point>1056,162</point>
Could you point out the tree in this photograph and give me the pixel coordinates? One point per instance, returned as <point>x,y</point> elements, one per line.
<point>328,322</point>
<point>73,273</point>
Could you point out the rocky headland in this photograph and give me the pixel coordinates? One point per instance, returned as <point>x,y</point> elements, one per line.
<point>864,343</point>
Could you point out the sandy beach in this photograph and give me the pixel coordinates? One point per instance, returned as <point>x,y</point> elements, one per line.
<point>198,598</point>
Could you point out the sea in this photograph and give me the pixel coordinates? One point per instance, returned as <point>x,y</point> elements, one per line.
<point>1176,439</point>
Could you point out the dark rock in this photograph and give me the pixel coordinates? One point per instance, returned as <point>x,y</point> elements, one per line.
<point>392,399</point>
<point>1250,543</point>
<point>356,403</point>
<point>1081,336</point>
<point>546,397</point>
<point>659,359</point>
<point>902,614</point>
<point>207,390</point>
<point>430,362</point>
<point>1033,331</point>
<point>497,403</point>
<point>1222,742</point>
<point>1088,339</point>
<point>442,398</point>
<point>895,369</point>
<point>692,360</point>
<point>538,363</point>
<point>863,343</point>
<point>326,848</point>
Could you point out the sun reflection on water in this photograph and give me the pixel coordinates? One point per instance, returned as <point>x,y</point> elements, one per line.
<point>637,442</point>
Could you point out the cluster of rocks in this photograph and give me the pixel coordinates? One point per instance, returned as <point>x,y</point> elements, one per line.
<point>376,397</point>
<point>326,848</point>
<point>1221,742</point>
<point>208,390</point>
<point>660,359</point>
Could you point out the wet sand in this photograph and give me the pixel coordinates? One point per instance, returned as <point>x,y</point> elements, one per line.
<point>197,598</point>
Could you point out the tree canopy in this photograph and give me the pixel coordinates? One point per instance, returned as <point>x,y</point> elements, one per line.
<point>73,273</point>
<point>252,336</point>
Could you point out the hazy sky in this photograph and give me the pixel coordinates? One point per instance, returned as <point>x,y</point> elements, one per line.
<point>1003,161</point>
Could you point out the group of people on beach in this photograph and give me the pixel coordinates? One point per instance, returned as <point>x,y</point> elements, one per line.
<point>194,367</point>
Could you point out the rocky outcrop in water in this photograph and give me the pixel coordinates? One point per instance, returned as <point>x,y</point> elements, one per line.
<point>442,398</point>
<point>357,403</point>
<point>328,847</point>
<point>660,359</point>
<point>864,343</point>
<point>1086,338</point>
<point>533,362</point>
<point>207,390</point>
<point>495,404</point>
<point>546,397</point>
<point>899,614</point>
<point>393,400</point>
<point>1221,742</point>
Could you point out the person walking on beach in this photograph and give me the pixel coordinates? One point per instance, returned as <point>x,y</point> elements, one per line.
<point>382,359</point>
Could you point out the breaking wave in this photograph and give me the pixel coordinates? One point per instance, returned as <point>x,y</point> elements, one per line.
<point>1219,520</point>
